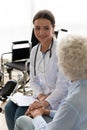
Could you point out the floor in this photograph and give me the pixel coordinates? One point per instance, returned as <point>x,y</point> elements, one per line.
<point>2,122</point>
<point>2,116</point>
<point>2,119</point>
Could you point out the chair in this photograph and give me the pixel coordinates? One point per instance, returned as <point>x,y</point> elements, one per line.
<point>19,55</point>
<point>34,40</point>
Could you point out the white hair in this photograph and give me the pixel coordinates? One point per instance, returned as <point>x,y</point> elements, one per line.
<point>72,57</point>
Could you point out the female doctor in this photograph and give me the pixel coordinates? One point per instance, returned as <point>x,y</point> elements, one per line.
<point>48,85</point>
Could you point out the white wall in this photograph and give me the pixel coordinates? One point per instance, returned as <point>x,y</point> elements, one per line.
<point>15,22</point>
<point>69,14</point>
<point>16,18</point>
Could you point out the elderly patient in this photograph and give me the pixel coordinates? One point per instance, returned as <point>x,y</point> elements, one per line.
<point>72,113</point>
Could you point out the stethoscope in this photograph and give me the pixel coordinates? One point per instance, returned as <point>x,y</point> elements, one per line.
<point>50,49</point>
<point>50,54</point>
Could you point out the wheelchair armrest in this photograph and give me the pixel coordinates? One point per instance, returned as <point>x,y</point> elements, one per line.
<point>2,59</point>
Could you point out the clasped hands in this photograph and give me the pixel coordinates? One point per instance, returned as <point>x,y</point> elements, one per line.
<point>38,107</point>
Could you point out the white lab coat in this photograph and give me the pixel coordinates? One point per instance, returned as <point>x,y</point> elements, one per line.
<point>48,79</point>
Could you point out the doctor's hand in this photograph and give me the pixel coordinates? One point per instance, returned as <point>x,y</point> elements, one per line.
<point>42,97</point>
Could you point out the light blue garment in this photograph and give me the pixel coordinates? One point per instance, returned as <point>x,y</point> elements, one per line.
<point>48,79</point>
<point>72,113</point>
<point>25,123</point>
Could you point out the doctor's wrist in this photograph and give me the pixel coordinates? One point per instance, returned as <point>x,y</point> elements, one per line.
<point>45,104</point>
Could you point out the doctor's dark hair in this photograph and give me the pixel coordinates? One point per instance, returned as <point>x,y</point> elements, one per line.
<point>45,14</point>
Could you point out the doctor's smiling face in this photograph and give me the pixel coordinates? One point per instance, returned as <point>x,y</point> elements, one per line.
<point>44,24</point>
<point>43,30</point>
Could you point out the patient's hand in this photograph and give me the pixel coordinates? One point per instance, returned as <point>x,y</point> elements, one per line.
<point>39,111</point>
<point>35,105</point>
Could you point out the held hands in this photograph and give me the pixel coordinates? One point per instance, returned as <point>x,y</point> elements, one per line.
<point>35,109</point>
<point>38,107</point>
<point>37,112</point>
